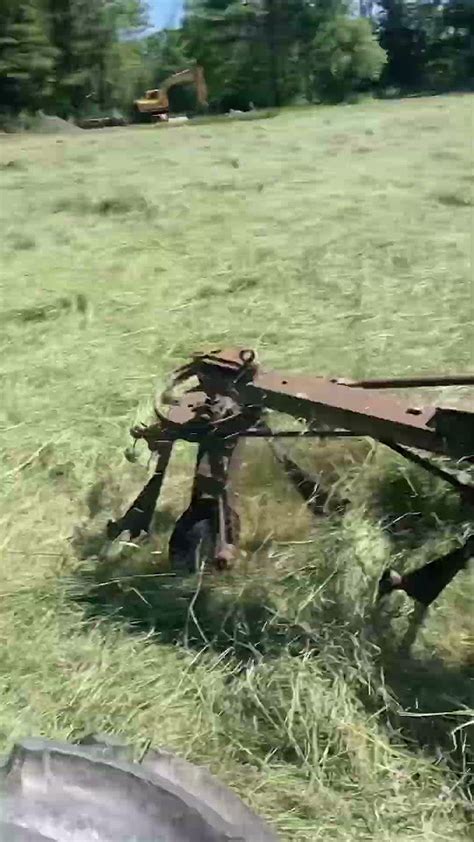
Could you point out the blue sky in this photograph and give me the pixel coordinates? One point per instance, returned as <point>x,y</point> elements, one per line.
<point>165,13</point>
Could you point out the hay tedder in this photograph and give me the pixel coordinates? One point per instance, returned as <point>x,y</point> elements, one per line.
<point>232,398</point>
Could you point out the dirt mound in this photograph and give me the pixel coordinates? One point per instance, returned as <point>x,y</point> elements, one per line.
<point>50,124</point>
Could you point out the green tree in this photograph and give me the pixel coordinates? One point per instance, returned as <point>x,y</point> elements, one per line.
<point>82,36</point>
<point>165,53</point>
<point>346,54</point>
<point>26,57</point>
<point>128,75</point>
<point>85,34</point>
<point>248,49</point>
<point>429,43</point>
<point>125,71</point>
<point>129,16</point>
<point>222,35</point>
<point>313,15</point>
<point>450,61</point>
<point>260,50</point>
<point>403,34</point>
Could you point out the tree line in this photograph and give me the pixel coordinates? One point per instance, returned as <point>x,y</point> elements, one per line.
<point>80,58</point>
<point>72,57</point>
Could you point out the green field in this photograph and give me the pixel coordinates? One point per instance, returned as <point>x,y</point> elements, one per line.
<point>335,241</point>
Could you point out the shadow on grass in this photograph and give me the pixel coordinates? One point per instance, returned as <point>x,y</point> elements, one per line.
<point>414,507</point>
<point>429,702</point>
<point>422,701</point>
<point>227,617</point>
<point>237,619</point>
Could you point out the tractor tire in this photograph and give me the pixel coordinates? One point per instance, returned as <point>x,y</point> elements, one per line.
<point>56,792</point>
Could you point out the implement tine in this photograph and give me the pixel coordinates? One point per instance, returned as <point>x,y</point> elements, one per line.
<point>307,485</point>
<point>427,582</point>
<point>138,517</point>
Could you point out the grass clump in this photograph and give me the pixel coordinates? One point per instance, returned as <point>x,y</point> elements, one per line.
<point>456,200</point>
<point>114,204</point>
<point>21,242</point>
<point>38,313</point>
<point>13,165</point>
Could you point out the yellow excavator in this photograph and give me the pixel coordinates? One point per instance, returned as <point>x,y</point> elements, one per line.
<point>155,103</point>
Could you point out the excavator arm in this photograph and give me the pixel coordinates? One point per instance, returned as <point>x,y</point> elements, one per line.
<point>234,399</point>
<point>194,75</point>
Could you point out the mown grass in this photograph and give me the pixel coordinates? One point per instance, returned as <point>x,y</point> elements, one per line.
<point>334,241</point>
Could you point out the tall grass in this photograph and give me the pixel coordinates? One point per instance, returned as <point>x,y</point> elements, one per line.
<point>332,248</point>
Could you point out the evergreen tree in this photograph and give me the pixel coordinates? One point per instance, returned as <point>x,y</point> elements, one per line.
<point>81,35</point>
<point>405,40</point>
<point>260,50</point>
<point>252,50</point>
<point>451,60</point>
<point>430,44</point>
<point>86,35</point>
<point>26,57</point>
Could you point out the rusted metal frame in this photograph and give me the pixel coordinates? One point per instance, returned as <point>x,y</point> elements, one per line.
<point>295,434</point>
<point>205,417</point>
<point>212,502</point>
<point>158,436</point>
<point>338,404</point>
<point>224,463</point>
<point>319,401</point>
<point>216,464</point>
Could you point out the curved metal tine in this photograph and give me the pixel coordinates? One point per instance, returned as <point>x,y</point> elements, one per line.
<point>424,584</point>
<point>307,485</point>
<point>138,517</point>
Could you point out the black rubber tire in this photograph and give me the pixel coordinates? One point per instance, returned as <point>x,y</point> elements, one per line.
<point>56,792</point>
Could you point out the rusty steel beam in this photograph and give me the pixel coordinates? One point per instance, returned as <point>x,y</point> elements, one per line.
<point>330,403</point>
<point>409,382</point>
<point>319,401</point>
